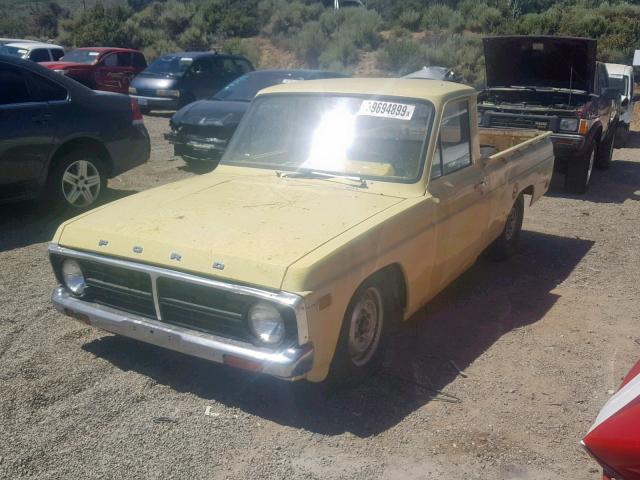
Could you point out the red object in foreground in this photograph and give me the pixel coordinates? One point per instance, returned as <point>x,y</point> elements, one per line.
<point>614,438</point>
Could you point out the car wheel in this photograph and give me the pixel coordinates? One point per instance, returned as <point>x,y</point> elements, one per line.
<point>77,181</point>
<point>622,134</point>
<point>579,172</point>
<point>363,335</point>
<point>605,151</point>
<point>506,244</point>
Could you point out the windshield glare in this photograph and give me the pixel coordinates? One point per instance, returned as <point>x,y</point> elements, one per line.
<point>14,51</point>
<point>170,65</point>
<point>244,88</point>
<point>81,56</point>
<point>345,135</point>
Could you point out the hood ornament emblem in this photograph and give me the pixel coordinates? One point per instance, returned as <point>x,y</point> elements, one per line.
<point>137,249</point>
<point>218,265</point>
<point>175,256</point>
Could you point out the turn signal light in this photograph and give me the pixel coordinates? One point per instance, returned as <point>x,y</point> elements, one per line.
<point>583,128</point>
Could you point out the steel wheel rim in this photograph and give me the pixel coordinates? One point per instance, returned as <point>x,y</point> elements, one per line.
<point>591,162</point>
<point>511,225</point>
<point>81,183</point>
<point>365,326</point>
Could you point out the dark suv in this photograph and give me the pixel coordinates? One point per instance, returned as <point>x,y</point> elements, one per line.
<point>177,79</point>
<point>553,83</point>
<point>61,140</point>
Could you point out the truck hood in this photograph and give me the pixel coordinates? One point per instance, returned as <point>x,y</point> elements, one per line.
<point>211,112</point>
<point>255,225</point>
<point>552,62</point>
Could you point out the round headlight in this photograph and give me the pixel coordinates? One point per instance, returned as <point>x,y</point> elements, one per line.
<point>266,323</point>
<point>73,277</point>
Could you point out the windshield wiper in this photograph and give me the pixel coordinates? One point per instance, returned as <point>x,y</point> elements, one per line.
<point>314,174</point>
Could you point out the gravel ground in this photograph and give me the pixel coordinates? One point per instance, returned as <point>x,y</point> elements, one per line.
<point>541,340</point>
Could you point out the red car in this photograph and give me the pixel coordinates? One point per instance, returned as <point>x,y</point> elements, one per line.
<point>614,438</point>
<point>101,68</point>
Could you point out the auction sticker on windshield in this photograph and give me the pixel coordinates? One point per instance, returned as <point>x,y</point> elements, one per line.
<point>375,108</point>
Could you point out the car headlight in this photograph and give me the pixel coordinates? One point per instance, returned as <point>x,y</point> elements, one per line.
<point>266,323</point>
<point>133,90</point>
<point>168,93</point>
<point>61,72</point>
<point>569,124</point>
<point>73,277</point>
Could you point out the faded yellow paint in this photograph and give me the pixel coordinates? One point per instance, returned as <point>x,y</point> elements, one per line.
<point>317,236</point>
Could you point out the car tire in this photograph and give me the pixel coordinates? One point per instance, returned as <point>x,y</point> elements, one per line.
<point>506,245</point>
<point>579,172</point>
<point>77,180</point>
<point>622,135</point>
<point>364,334</point>
<point>605,151</point>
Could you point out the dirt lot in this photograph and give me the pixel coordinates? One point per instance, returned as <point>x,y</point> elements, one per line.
<point>542,339</point>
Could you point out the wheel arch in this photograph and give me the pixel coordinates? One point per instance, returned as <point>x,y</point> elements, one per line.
<point>394,278</point>
<point>81,143</point>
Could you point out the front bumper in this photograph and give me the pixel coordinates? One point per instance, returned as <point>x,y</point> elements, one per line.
<point>196,148</point>
<point>289,363</point>
<point>157,103</point>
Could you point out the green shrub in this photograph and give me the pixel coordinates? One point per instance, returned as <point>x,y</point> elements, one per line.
<point>402,55</point>
<point>442,17</point>
<point>309,43</point>
<point>340,53</point>
<point>243,46</point>
<point>410,19</point>
<point>288,18</point>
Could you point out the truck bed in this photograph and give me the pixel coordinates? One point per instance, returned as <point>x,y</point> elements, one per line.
<point>496,142</point>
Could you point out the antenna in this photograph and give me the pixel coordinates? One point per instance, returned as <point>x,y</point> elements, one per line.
<point>570,83</point>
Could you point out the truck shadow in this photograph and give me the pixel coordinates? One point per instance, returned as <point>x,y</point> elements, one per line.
<point>456,328</point>
<point>619,183</point>
<point>26,223</point>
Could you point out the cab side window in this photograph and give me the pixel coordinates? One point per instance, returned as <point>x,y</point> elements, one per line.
<point>139,60</point>
<point>455,137</point>
<point>124,59</point>
<point>110,60</point>
<point>14,88</point>
<point>44,90</point>
<point>39,55</point>
<point>56,54</point>
<point>243,66</point>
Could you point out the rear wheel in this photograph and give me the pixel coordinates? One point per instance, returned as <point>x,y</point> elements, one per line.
<point>579,172</point>
<point>77,180</point>
<point>506,244</point>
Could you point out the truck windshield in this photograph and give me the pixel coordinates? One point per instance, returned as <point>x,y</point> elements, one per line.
<point>620,83</point>
<point>173,65</point>
<point>367,137</point>
<point>81,56</point>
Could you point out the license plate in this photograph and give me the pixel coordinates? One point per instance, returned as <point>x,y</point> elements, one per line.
<point>142,102</point>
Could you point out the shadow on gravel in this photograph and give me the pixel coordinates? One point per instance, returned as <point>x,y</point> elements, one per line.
<point>26,223</point>
<point>160,114</point>
<point>488,301</point>
<point>619,183</point>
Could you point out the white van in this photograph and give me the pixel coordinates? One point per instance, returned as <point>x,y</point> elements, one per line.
<point>621,78</point>
<point>34,51</point>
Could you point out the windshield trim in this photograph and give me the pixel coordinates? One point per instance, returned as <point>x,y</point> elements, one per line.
<point>364,96</point>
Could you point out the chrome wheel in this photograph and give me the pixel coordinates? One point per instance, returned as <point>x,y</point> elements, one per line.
<point>365,326</point>
<point>511,226</point>
<point>592,158</point>
<point>81,183</point>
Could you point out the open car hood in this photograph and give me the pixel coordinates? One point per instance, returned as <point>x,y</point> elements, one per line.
<point>548,62</point>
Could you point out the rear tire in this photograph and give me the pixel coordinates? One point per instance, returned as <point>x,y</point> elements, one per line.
<point>579,172</point>
<point>622,134</point>
<point>77,181</point>
<point>364,334</point>
<point>506,245</point>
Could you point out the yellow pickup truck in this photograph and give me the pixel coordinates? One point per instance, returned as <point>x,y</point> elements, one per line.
<point>339,209</point>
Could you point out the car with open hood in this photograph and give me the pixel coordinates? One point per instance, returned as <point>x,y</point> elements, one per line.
<point>201,130</point>
<point>101,68</point>
<point>177,79</point>
<point>339,208</point>
<point>553,84</point>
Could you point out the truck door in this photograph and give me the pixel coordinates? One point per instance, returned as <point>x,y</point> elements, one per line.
<point>459,184</point>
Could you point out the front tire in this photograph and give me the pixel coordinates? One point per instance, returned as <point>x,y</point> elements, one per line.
<point>77,181</point>
<point>506,245</point>
<point>363,335</point>
<point>579,172</point>
<point>605,151</point>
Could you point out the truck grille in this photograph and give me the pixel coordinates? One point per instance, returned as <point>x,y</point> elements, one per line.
<point>503,121</point>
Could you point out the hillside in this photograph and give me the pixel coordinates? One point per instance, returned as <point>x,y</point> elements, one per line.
<point>389,36</point>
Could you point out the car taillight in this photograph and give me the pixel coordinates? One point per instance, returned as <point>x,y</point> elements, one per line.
<point>135,111</point>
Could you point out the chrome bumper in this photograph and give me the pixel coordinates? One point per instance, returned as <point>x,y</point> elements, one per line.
<point>290,363</point>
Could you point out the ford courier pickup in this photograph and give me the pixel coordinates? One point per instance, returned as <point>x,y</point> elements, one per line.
<point>339,209</point>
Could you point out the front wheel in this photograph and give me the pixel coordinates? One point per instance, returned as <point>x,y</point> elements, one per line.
<point>363,335</point>
<point>605,151</point>
<point>77,181</point>
<point>579,172</point>
<point>506,244</point>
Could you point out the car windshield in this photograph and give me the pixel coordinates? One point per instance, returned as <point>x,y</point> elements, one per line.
<point>366,137</point>
<point>244,88</point>
<point>620,83</point>
<point>174,65</point>
<point>14,51</point>
<point>81,56</point>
